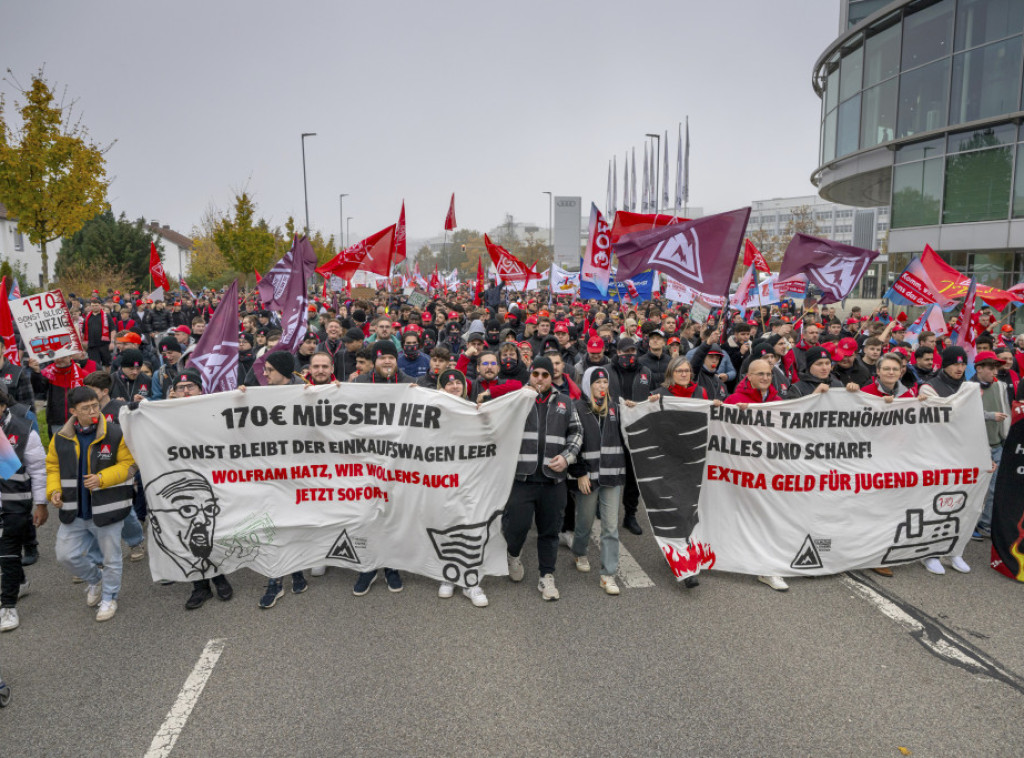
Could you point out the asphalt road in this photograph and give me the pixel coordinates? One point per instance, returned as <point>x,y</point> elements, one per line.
<point>728,669</point>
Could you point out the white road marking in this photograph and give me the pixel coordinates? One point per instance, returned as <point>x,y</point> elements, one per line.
<point>629,571</point>
<point>165,738</point>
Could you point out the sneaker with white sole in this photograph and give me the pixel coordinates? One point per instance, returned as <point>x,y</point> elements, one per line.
<point>446,590</point>
<point>107,610</point>
<point>23,589</point>
<point>566,538</point>
<point>93,595</point>
<point>958,563</point>
<point>608,585</point>
<point>582,564</point>
<point>138,552</point>
<point>933,566</point>
<point>546,587</point>
<point>777,583</point>
<point>476,596</point>
<point>318,571</point>
<point>8,619</point>
<point>516,572</point>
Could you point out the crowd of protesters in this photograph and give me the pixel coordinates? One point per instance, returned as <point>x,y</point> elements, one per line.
<point>581,359</point>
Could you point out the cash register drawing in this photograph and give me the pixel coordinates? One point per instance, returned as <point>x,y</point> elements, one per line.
<point>918,538</point>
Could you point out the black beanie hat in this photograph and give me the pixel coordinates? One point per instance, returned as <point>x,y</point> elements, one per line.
<point>169,343</point>
<point>384,347</point>
<point>132,358</point>
<point>448,375</point>
<point>282,362</point>
<point>815,354</point>
<point>544,364</point>
<point>189,375</point>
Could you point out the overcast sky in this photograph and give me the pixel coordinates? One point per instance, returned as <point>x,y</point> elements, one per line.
<point>496,102</point>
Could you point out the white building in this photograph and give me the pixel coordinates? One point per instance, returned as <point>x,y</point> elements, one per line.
<point>17,250</point>
<point>177,248</point>
<point>863,227</point>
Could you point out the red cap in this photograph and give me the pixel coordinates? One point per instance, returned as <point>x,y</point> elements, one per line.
<point>986,356</point>
<point>674,341</point>
<point>131,337</point>
<point>426,317</point>
<point>544,314</point>
<point>311,309</point>
<point>183,329</point>
<point>1007,328</point>
<point>531,319</point>
<point>561,326</point>
<point>851,322</point>
<point>595,345</point>
<point>453,316</point>
<point>525,345</point>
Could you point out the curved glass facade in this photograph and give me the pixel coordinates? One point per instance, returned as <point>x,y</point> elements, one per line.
<point>927,66</point>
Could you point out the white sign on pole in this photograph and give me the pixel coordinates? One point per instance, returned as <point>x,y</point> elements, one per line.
<point>45,325</point>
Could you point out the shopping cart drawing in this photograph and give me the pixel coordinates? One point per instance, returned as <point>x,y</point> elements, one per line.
<point>462,547</point>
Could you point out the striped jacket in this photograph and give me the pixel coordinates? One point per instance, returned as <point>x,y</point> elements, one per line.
<point>602,455</point>
<point>108,456</point>
<point>17,491</point>
<point>563,436</point>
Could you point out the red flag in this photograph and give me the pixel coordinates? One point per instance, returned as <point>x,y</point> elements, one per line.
<point>345,263</point>
<point>323,296</point>
<point>449,221</point>
<point>953,284</point>
<point>258,277</point>
<point>156,268</point>
<point>752,257</point>
<point>479,289</point>
<point>398,246</point>
<point>11,352</point>
<point>627,223</point>
<point>510,268</point>
<point>967,327</point>
<point>435,280</point>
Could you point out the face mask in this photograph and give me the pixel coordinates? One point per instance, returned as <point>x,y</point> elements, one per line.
<point>492,337</point>
<point>87,429</point>
<point>509,364</point>
<point>627,361</point>
<point>411,351</point>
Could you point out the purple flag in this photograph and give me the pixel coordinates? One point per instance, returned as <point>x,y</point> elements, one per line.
<point>294,301</point>
<point>274,287</point>
<point>215,356</point>
<point>833,267</point>
<point>700,254</point>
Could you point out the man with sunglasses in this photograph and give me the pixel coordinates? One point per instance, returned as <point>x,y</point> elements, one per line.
<point>551,443</point>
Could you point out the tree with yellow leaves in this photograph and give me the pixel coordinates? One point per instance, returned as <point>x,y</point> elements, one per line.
<point>52,177</point>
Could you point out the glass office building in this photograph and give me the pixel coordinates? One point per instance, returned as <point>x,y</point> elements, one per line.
<point>921,110</point>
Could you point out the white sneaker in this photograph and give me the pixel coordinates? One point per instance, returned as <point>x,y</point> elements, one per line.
<point>958,563</point>
<point>582,564</point>
<point>777,583</point>
<point>138,552</point>
<point>93,595</point>
<point>8,619</point>
<point>446,590</point>
<point>318,571</point>
<point>516,572</point>
<point>566,538</point>
<point>107,610</point>
<point>23,589</point>
<point>608,585</point>
<point>476,596</point>
<point>546,587</point>
<point>933,565</point>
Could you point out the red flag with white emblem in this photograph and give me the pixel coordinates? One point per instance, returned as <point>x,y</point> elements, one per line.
<point>449,220</point>
<point>156,268</point>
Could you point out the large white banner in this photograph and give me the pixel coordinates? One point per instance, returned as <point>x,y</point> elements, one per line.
<point>819,485</point>
<point>278,479</point>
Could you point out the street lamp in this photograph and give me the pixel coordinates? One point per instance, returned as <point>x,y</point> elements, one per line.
<point>341,218</point>
<point>348,232</point>
<point>551,201</point>
<point>657,170</point>
<point>305,194</point>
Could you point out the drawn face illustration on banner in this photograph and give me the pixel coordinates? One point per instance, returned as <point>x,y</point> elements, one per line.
<point>184,517</point>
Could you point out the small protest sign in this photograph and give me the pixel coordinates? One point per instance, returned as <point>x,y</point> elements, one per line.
<point>45,325</point>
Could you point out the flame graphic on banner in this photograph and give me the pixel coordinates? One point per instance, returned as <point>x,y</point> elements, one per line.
<point>1017,552</point>
<point>697,556</point>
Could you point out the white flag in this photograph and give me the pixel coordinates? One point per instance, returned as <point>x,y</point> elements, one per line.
<point>664,174</point>
<point>686,164</point>
<point>645,206</point>
<point>632,192</point>
<point>679,172</point>
<point>615,182</point>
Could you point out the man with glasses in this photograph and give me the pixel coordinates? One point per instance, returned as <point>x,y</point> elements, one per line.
<point>488,385</point>
<point>88,477</point>
<point>551,443</point>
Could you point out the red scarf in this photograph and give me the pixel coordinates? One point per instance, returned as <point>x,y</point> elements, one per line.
<point>680,391</point>
<point>104,322</point>
<point>67,378</point>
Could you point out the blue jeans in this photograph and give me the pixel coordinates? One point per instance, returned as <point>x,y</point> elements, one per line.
<point>131,529</point>
<point>985,519</point>
<point>74,552</point>
<point>610,498</point>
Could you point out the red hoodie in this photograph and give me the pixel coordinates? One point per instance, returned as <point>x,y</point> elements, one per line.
<point>747,394</point>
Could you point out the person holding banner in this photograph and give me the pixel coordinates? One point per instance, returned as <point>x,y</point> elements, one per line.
<point>16,379</point>
<point>994,399</point>
<point>628,380</point>
<point>756,388</point>
<point>679,381</point>
<point>551,443</point>
<point>886,383</point>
